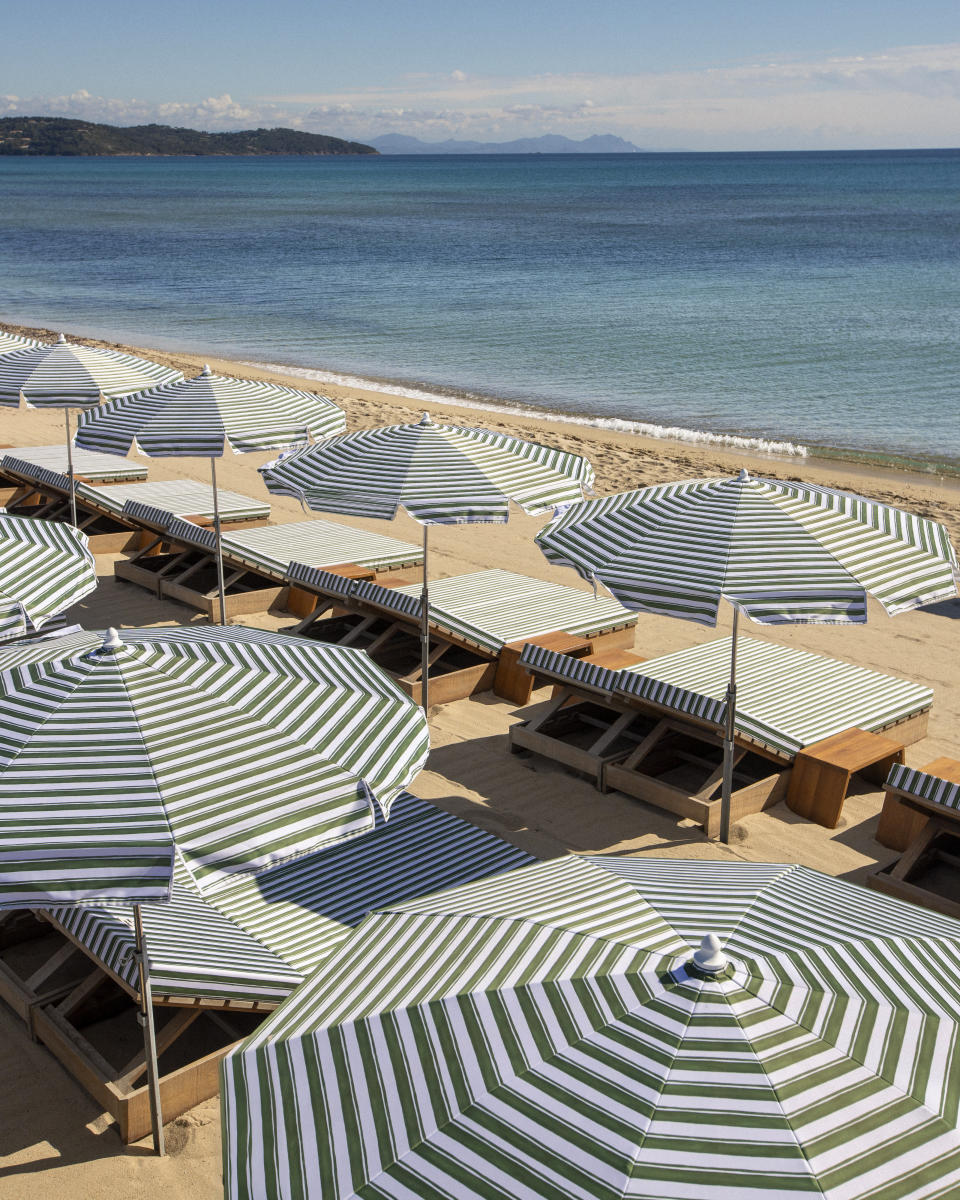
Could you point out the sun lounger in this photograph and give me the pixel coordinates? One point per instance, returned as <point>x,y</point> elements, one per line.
<point>180,563</point>
<point>217,965</point>
<point>479,623</point>
<point>19,465</point>
<point>654,730</point>
<point>921,818</point>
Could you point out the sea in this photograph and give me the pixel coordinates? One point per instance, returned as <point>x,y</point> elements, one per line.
<point>791,303</point>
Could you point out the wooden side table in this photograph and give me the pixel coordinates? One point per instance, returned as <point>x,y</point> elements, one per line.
<point>821,772</point>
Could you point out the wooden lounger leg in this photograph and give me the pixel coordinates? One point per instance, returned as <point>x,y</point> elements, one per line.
<point>640,753</point>
<point>323,605</point>
<point>137,1066</point>
<point>552,708</point>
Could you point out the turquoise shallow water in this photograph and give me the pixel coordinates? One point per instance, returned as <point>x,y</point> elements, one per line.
<point>811,298</point>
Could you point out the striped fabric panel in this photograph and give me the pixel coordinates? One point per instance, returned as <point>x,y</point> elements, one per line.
<point>88,463</point>
<point>44,477</point>
<point>247,749</point>
<point>780,552</point>
<point>392,600</point>
<point>324,583</point>
<point>11,341</point>
<point>564,669</point>
<point>45,567</point>
<point>441,474</point>
<point>786,698</point>
<point>200,417</point>
<point>66,375</point>
<point>259,938</point>
<point>924,786</point>
<point>474,1047</point>
<point>273,550</point>
<point>186,533</point>
<point>495,607</point>
<point>185,498</point>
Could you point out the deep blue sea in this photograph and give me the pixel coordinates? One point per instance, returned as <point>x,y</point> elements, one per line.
<point>805,298</point>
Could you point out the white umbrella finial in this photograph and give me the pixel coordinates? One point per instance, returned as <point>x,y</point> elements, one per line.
<point>744,476</point>
<point>206,369</point>
<point>425,420</point>
<point>61,340</point>
<point>112,640</point>
<point>710,958</point>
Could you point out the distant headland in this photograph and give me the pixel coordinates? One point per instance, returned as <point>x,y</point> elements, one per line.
<point>64,136</point>
<point>550,143</point>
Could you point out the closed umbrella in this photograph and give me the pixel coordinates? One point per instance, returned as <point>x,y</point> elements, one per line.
<point>231,749</point>
<point>604,1028</point>
<point>439,474</point>
<point>202,416</point>
<point>781,553</point>
<point>45,567</point>
<point>68,376</point>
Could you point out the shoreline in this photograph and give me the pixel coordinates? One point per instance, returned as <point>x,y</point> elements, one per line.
<point>623,459</point>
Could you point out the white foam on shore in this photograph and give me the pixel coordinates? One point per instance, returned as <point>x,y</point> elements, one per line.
<point>672,433</point>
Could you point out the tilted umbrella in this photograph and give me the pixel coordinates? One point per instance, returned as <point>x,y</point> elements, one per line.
<point>45,566</point>
<point>202,416</point>
<point>232,748</point>
<point>440,474</point>
<point>778,552</point>
<point>68,376</point>
<point>604,1028</point>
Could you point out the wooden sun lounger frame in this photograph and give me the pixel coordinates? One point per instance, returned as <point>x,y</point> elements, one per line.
<point>499,671</point>
<point>824,770</point>
<point>37,499</point>
<point>55,1004</point>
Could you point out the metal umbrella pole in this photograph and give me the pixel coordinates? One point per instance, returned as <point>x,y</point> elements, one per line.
<point>73,486</point>
<point>729,732</point>
<point>145,1016</point>
<point>425,632</point>
<point>216,529</point>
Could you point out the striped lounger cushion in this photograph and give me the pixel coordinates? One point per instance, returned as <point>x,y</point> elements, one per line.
<point>186,498</point>
<point>931,788</point>
<point>275,549</point>
<point>91,464</point>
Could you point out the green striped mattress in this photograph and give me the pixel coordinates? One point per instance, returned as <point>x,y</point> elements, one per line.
<point>272,549</point>
<point>493,608</point>
<point>91,464</point>
<point>786,698</point>
<point>931,788</point>
<point>180,498</point>
<point>257,938</point>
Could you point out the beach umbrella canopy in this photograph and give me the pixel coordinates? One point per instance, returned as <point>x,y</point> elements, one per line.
<point>68,376</point>
<point>603,1028</point>
<point>235,748</point>
<point>779,552</point>
<point>10,342</point>
<point>439,474</point>
<point>201,417</point>
<point>45,566</point>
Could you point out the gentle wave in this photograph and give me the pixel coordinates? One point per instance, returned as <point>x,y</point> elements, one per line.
<point>671,433</point>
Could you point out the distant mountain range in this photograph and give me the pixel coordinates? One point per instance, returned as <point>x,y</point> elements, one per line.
<point>63,136</point>
<point>550,143</point>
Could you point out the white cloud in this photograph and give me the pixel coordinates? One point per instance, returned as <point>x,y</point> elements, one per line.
<point>905,96</point>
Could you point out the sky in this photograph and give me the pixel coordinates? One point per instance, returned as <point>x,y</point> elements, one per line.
<point>692,74</point>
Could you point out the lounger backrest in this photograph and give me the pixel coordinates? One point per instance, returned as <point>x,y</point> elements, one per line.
<point>95,497</point>
<point>668,695</point>
<point>564,669</point>
<point>186,533</point>
<point>389,599</point>
<point>316,579</point>
<point>931,788</point>
<point>148,515</point>
<point>55,481</point>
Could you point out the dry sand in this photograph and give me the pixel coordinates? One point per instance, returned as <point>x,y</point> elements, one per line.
<point>53,1141</point>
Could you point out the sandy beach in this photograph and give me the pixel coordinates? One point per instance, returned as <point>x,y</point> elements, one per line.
<point>53,1140</point>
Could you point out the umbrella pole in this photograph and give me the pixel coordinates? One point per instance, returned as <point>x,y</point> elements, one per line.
<point>728,736</point>
<point>73,491</point>
<point>425,632</point>
<point>145,1017</point>
<point>216,528</point>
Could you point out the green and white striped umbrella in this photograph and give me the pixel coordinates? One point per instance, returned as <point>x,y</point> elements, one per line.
<point>237,748</point>
<point>65,375</point>
<point>440,474</point>
<point>780,552</point>
<point>555,1033</point>
<point>45,567</point>
<point>202,416</point>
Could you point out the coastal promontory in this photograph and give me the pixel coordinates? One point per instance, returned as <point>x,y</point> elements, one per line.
<point>65,136</point>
